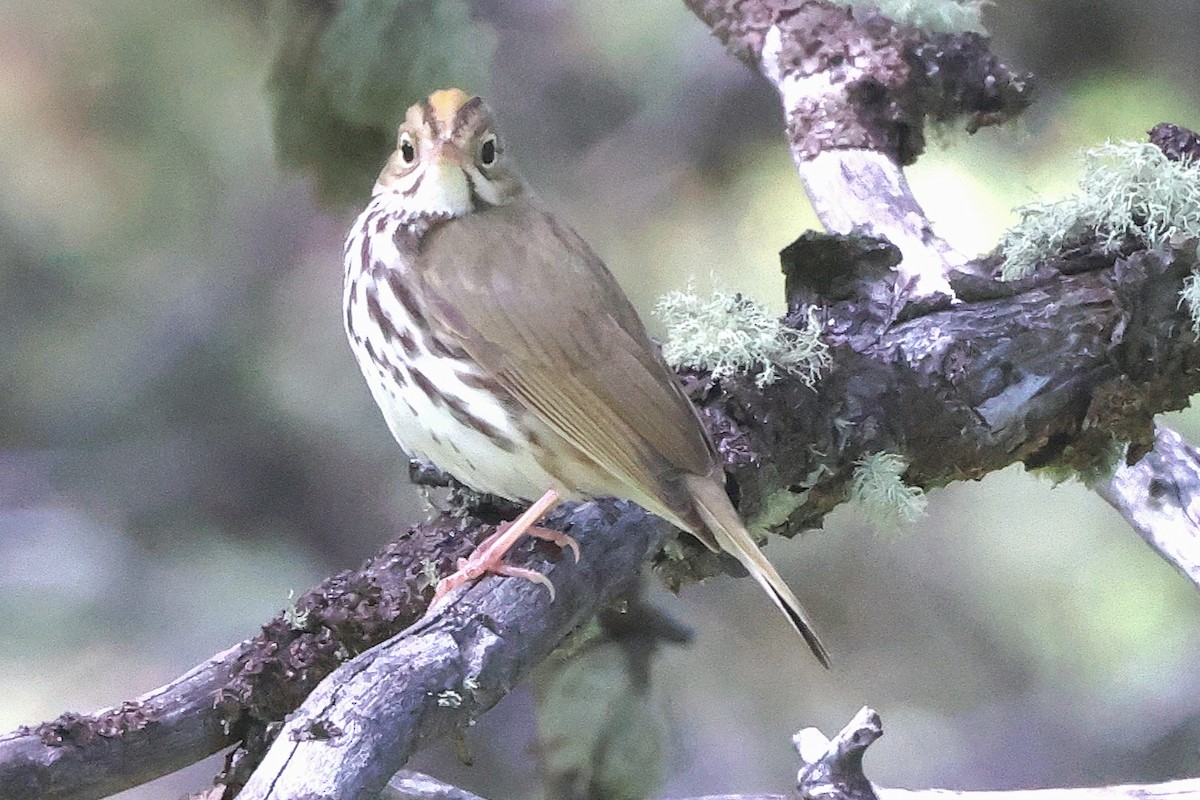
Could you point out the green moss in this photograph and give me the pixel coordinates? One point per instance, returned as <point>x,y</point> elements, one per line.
<point>777,509</point>
<point>884,497</point>
<point>726,333</point>
<point>1127,189</point>
<point>936,16</point>
<point>1101,468</point>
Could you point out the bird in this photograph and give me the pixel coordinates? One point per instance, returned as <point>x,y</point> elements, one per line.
<point>499,347</point>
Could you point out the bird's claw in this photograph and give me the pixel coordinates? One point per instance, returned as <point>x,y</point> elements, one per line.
<point>557,537</point>
<point>486,561</point>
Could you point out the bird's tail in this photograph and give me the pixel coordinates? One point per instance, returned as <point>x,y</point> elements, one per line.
<point>726,527</point>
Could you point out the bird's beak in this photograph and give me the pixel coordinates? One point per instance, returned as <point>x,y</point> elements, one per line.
<point>449,190</point>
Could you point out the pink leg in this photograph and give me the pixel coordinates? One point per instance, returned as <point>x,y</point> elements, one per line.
<point>487,558</point>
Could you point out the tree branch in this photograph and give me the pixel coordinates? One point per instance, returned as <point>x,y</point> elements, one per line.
<point>362,723</point>
<point>409,785</point>
<point>77,756</point>
<point>472,654</point>
<point>1160,498</point>
<point>857,89</point>
<point>832,769</point>
<point>1048,371</point>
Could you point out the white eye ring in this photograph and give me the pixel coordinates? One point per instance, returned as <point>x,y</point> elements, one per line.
<point>489,150</point>
<point>407,148</point>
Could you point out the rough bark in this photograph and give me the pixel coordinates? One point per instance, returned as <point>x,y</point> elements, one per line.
<point>932,359</point>
<point>97,755</point>
<point>833,769</point>
<point>857,90</point>
<point>240,695</point>
<point>362,723</point>
<point>1160,496</point>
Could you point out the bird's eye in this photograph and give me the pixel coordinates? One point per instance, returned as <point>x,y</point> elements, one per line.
<point>408,150</point>
<point>488,150</point>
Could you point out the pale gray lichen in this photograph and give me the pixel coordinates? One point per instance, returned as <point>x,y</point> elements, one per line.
<point>1189,296</point>
<point>429,570</point>
<point>726,333</point>
<point>295,619</point>
<point>935,16</point>
<point>884,497</point>
<point>1127,188</point>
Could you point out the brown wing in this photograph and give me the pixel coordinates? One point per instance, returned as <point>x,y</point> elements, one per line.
<point>528,299</point>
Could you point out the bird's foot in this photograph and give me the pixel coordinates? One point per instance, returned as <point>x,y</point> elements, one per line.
<point>550,535</point>
<point>488,560</point>
<point>488,556</point>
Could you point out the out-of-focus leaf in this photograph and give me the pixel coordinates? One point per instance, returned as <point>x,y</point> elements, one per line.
<point>598,738</point>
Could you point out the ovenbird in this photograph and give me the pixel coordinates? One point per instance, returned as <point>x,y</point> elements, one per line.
<point>498,346</point>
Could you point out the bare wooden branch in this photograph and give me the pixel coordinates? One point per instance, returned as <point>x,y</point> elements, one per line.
<point>866,191</point>
<point>1160,497</point>
<point>409,785</point>
<point>415,786</point>
<point>834,766</point>
<point>832,769</point>
<point>1188,789</point>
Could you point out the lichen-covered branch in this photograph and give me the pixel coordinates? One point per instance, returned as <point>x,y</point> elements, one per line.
<point>360,725</point>
<point>1064,370</point>
<point>857,90</point>
<point>238,695</point>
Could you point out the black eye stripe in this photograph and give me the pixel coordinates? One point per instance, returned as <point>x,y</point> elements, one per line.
<point>468,108</point>
<point>430,117</point>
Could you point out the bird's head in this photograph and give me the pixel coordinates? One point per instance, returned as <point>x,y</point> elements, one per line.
<point>449,159</point>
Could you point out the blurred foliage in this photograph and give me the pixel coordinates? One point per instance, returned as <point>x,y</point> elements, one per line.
<point>184,437</point>
<point>599,737</point>
<point>599,731</point>
<point>344,72</point>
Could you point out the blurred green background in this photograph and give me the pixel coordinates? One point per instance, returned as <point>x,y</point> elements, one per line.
<point>185,440</point>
